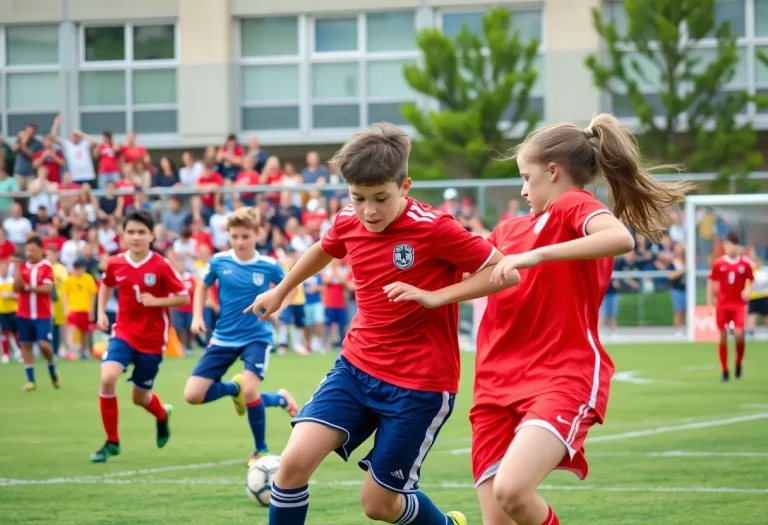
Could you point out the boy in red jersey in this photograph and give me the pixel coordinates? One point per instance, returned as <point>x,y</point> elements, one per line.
<point>147,288</point>
<point>34,284</point>
<point>399,368</point>
<point>730,278</point>
<point>542,376</point>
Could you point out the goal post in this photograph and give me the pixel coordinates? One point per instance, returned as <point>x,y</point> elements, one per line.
<point>707,219</point>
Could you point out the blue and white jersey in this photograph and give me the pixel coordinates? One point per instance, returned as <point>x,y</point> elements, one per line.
<point>239,284</point>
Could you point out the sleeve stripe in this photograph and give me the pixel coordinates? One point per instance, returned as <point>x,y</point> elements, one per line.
<point>493,251</point>
<point>589,217</point>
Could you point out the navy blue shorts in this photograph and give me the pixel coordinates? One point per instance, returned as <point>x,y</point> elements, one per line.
<point>336,315</point>
<point>8,323</point>
<point>34,330</point>
<point>293,314</point>
<point>182,321</point>
<point>217,359</point>
<point>145,366</point>
<point>406,422</point>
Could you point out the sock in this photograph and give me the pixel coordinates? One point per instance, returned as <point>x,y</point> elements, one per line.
<point>551,518</point>
<point>108,406</point>
<point>297,336</point>
<point>6,346</point>
<point>723,357</point>
<point>273,399</point>
<point>282,335</point>
<point>288,506</point>
<point>30,371</point>
<point>155,407</point>
<point>52,371</point>
<point>419,510</point>
<point>220,389</point>
<point>257,420</point>
<point>740,347</point>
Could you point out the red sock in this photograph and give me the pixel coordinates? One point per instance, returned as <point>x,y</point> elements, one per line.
<point>6,352</point>
<point>740,347</point>
<point>156,408</point>
<point>108,405</point>
<point>551,518</point>
<point>723,356</point>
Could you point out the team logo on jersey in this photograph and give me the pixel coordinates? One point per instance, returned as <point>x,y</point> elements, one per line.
<point>150,279</point>
<point>541,222</point>
<point>403,256</point>
<point>258,279</point>
<point>741,269</point>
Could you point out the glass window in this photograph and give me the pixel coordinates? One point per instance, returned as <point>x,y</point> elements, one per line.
<point>335,34</point>
<point>32,45</point>
<point>452,23</point>
<point>539,85</point>
<point>97,122</point>
<point>336,116</point>
<point>618,15</point>
<point>154,86</point>
<point>19,121</point>
<point>335,80</point>
<point>648,76</point>
<point>528,23</point>
<point>155,121</point>
<point>104,43</point>
<point>154,42</point>
<point>734,12</point>
<point>102,88</point>
<point>286,117</point>
<point>622,106</point>
<point>270,83</point>
<point>33,91</point>
<point>709,54</point>
<point>393,31</point>
<point>385,79</point>
<point>386,112</point>
<point>274,36</point>
<point>761,69</point>
<point>761,17</point>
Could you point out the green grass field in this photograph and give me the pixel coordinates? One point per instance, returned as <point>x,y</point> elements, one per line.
<point>678,448</point>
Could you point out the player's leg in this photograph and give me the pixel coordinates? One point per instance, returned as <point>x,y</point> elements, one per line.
<point>205,385</point>
<point>45,331</point>
<point>722,319</point>
<point>56,339</point>
<point>114,361</point>
<point>492,511</point>
<point>145,368</point>
<point>27,338</point>
<point>739,318</point>
<point>297,330</point>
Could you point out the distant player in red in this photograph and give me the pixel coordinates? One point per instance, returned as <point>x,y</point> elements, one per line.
<point>730,279</point>
<point>147,287</point>
<point>542,376</point>
<point>398,372</point>
<point>33,282</point>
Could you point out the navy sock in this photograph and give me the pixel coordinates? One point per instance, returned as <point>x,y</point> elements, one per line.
<point>273,399</point>
<point>52,371</point>
<point>288,506</point>
<point>220,389</point>
<point>419,510</point>
<point>30,370</point>
<point>257,419</point>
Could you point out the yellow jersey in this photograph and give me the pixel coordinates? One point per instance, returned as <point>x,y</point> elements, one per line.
<point>300,298</point>
<point>60,275</point>
<point>760,284</point>
<point>80,291</point>
<point>8,305</point>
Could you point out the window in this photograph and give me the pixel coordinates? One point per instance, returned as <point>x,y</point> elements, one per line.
<point>30,77</point>
<point>761,18</point>
<point>128,79</point>
<point>274,36</point>
<point>335,34</point>
<point>391,31</point>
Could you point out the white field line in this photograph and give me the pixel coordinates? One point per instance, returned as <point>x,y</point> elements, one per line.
<point>654,431</point>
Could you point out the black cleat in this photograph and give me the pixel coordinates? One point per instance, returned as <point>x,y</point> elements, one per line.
<point>726,377</point>
<point>738,371</point>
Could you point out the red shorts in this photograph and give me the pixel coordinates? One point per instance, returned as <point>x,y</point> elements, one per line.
<point>494,428</point>
<point>80,320</point>
<point>730,312</point>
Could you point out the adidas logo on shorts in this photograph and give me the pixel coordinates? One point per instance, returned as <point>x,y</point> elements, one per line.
<point>397,474</point>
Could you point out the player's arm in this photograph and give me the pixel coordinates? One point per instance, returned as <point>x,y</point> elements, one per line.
<point>171,301</point>
<point>712,284</point>
<point>198,307</point>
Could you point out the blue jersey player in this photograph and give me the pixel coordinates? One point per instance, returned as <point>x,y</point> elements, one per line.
<point>241,272</point>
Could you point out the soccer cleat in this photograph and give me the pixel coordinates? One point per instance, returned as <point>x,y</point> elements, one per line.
<point>725,378</point>
<point>110,448</point>
<point>29,387</point>
<point>163,429</point>
<point>5,359</point>
<point>457,518</point>
<point>239,400</point>
<point>738,372</point>
<point>256,456</point>
<point>56,383</point>
<point>290,403</point>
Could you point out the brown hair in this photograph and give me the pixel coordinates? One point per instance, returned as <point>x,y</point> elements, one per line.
<point>245,217</point>
<point>606,149</point>
<point>375,156</point>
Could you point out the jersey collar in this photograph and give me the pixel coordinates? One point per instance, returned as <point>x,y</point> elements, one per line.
<point>127,256</point>
<point>240,261</point>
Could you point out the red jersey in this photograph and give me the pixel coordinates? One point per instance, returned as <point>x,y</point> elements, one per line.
<point>208,199</point>
<point>56,242</point>
<point>731,276</point>
<point>541,335</point>
<point>54,168</point>
<point>128,199</point>
<point>248,178</point>
<point>131,153</point>
<point>144,328</point>
<point>108,159</point>
<point>335,295</point>
<point>404,343</point>
<point>35,305</point>
<point>7,249</point>
<point>203,238</point>
<point>189,283</point>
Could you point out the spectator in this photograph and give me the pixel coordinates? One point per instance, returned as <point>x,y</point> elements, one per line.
<point>185,247</point>
<point>41,221</point>
<point>210,180</point>
<point>87,204</point>
<point>24,150</point>
<point>196,209</point>
<point>291,179</point>
<point>248,177</point>
<point>17,227</point>
<point>50,158</point>
<point>43,192</point>
<point>163,240</point>
<point>7,185</point>
<point>65,218</point>
<point>125,200</point>
<point>609,309</point>
<point>273,176</point>
<point>77,153</point>
<point>285,211</point>
<point>676,278</point>
<point>93,265</point>
<point>314,216</point>
<point>140,202</point>
<point>466,213</point>
<point>107,153</point>
<point>513,210</point>
<point>191,171</point>
<point>73,248</point>
<point>106,236</point>
<point>131,152</point>
<point>230,158</point>
<point>67,183</point>
<point>334,207</point>
<point>335,277</point>
<point>255,152</point>
<point>173,217</point>
<point>450,202</point>
<point>218,227</point>
<point>314,173</point>
<point>299,240</point>
<point>200,235</point>
<point>109,201</point>
<point>7,248</point>
<point>166,176</point>
<point>93,241</point>
<point>676,230</point>
<point>141,176</point>
<point>52,238</point>
<point>7,158</point>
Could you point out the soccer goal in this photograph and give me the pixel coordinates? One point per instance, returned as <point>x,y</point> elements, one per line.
<point>708,219</point>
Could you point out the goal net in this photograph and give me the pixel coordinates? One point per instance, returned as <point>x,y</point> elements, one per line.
<point>707,220</point>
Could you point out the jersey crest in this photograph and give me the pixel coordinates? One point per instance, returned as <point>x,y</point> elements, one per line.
<point>403,256</point>
<point>258,279</point>
<point>150,279</point>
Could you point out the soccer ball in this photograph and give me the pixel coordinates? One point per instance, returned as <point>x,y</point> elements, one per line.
<point>258,483</point>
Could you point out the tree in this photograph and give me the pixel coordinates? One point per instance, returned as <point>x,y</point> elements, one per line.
<point>694,121</point>
<point>478,81</point>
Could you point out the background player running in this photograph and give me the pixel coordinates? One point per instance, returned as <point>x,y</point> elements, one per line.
<point>730,279</point>
<point>241,272</point>
<point>147,286</point>
<point>398,371</point>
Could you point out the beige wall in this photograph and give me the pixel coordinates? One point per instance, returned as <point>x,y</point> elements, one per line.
<point>29,11</point>
<point>122,10</point>
<point>267,7</point>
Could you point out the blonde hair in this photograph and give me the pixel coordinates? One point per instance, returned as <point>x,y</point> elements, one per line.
<point>606,149</point>
<point>245,217</point>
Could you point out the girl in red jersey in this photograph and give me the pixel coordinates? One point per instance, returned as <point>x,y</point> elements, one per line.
<point>542,376</point>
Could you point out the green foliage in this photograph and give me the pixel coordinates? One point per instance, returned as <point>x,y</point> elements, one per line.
<point>695,119</point>
<point>476,80</point>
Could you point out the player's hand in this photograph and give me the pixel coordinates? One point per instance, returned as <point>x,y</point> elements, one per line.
<point>198,327</point>
<point>505,269</point>
<point>149,300</point>
<point>266,304</point>
<point>745,294</point>
<point>398,292</point>
<point>103,322</point>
